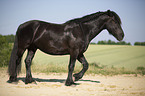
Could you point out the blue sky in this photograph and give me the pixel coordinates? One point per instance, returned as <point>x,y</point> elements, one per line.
<point>15,12</point>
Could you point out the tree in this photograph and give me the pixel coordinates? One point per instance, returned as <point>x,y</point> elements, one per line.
<point>10,38</point>
<point>5,51</point>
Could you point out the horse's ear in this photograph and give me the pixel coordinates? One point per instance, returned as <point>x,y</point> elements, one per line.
<point>109,13</point>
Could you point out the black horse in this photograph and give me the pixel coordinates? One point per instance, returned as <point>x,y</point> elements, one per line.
<point>72,37</point>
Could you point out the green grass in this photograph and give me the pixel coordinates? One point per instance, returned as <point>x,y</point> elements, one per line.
<point>129,57</point>
<point>103,59</point>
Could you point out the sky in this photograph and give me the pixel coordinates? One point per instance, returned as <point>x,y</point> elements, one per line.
<point>15,12</point>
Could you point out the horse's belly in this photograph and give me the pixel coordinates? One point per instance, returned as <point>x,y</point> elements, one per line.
<point>54,50</point>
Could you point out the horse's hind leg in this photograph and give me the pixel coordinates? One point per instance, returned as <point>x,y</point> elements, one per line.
<point>15,64</point>
<point>82,60</point>
<point>28,61</point>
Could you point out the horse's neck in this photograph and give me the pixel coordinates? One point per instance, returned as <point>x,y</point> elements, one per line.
<point>94,28</point>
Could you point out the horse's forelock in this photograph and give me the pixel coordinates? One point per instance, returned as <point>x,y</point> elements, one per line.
<point>115,16</point>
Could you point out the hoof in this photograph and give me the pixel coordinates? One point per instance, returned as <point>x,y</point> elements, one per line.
<point>77,77</point>
<point>12,79</point>
<point>28,80</point>
<point>67,83</point>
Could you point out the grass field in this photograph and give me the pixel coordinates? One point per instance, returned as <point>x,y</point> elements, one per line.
<point>112,56</point>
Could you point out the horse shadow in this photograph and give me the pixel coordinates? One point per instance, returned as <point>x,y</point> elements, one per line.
<point>52,80</point>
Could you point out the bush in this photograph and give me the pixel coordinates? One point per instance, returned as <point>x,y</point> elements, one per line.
<point>5,51</point>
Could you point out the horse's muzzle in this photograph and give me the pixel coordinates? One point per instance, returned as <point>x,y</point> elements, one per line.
<point>120,37</point>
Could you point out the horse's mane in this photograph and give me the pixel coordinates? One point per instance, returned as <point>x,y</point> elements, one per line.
<point>94,16</point>
<point>86,18</point>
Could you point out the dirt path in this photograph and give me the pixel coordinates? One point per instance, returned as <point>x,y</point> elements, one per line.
<point>90,85</point>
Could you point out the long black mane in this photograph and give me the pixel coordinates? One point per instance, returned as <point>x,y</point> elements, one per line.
<point>94,16</point>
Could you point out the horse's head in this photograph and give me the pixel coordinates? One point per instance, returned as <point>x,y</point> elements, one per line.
<point>113,25</point>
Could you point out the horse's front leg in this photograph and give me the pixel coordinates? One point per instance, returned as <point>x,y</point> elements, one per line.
<point>69,80</point>
<point>28,61</point>
<point>81,59</point>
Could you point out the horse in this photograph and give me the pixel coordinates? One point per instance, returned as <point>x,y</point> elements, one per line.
<point>69,38</point>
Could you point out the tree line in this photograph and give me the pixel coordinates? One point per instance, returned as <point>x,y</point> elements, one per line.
<point>6,43</point>
<point>139,43</point>
<point>109,42</point>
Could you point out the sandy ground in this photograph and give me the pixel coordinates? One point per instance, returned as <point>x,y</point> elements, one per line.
<point>90,85</point>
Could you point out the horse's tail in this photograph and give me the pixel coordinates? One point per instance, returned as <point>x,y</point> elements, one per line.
<point>13,67</point>
<point>20,45</point>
